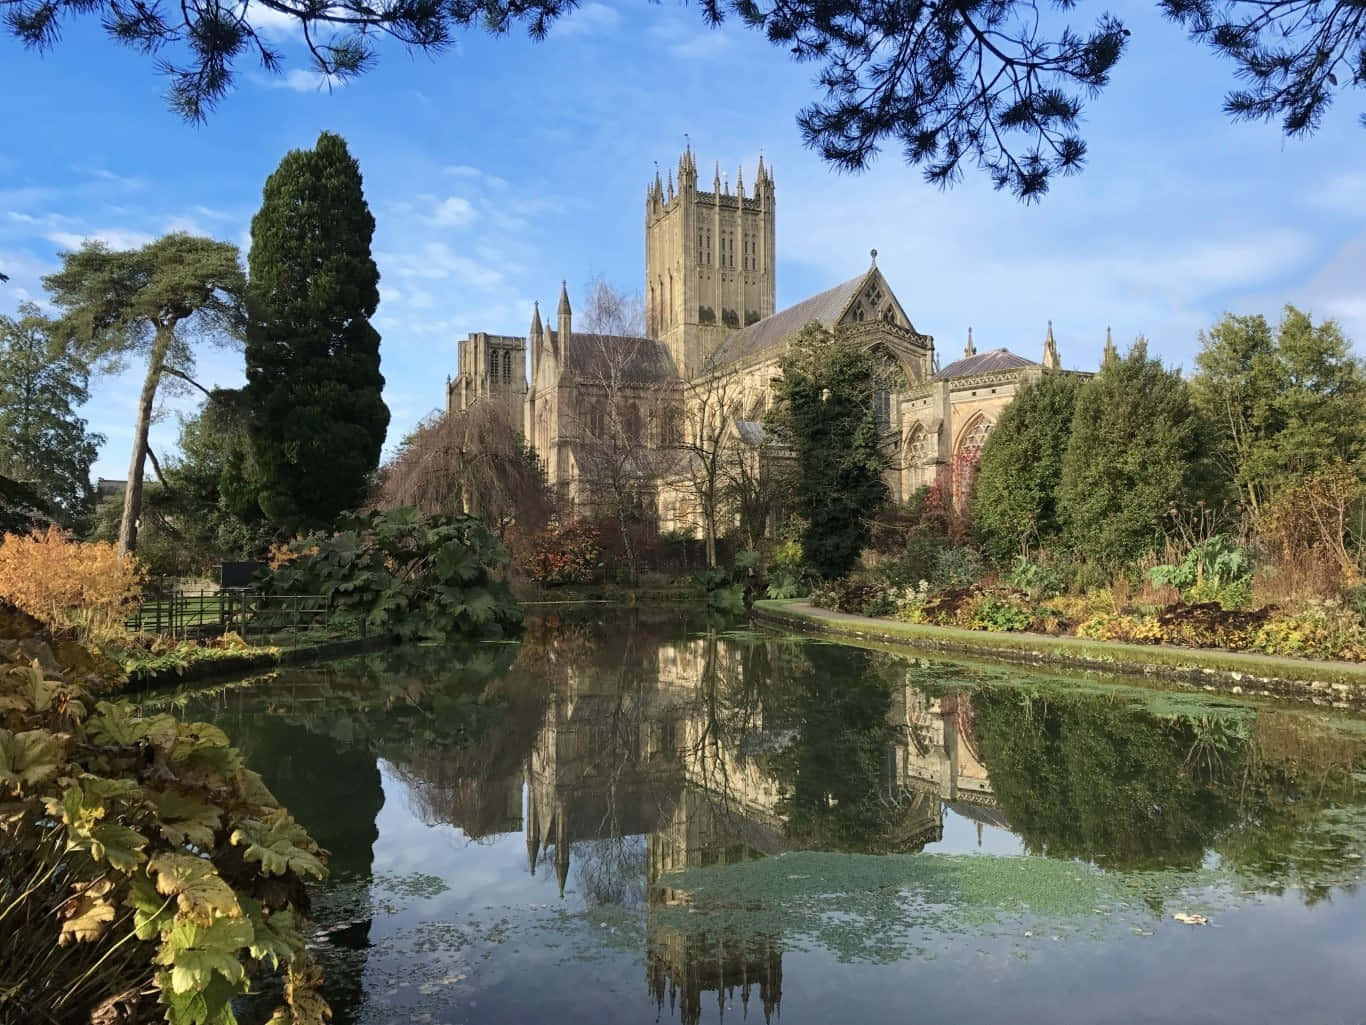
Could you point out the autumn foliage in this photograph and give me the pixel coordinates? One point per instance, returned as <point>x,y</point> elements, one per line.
<point>69,585</point>
<point>565,553</point>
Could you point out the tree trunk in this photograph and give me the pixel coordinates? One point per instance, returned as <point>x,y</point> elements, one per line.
<point>709,530</point>
<point>132,494</point>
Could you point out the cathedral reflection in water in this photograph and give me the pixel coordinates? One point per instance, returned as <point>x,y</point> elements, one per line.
<point>674,763</point>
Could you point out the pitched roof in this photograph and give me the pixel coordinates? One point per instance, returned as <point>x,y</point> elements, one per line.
<point>983,363</point>
<point>765,334</point>
<point>638,360</point>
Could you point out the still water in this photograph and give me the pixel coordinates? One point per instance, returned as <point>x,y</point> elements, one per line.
<point>628,816</point>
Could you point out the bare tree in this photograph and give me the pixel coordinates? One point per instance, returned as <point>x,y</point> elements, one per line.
<point>627,385</point>
<point>758,481</point>
<point>469,461</point>
<point>711,409</point>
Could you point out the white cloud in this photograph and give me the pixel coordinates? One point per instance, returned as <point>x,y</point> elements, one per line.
<point>701,45</point>
<point>491,181</point>
<point>272,24</point>
<point>454,212</point>
<point>436,261</point>
<point>302,80</point>
<point>592,19</point>
<point>105,175</point>
<point>114,238</point>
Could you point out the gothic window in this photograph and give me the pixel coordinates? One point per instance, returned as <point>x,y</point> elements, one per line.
<point>595,420</point>
<point>972,439</point>
<point>889,315</point>
<point>917,451</point>
<point>888,379</point>
<point>967,456</point>
<point>633,424</point>
<point>507,367</point>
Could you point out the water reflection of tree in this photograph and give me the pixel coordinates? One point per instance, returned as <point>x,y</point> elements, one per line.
<point>1095,777</point>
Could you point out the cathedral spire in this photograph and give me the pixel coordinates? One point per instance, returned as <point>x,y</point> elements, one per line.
<point>671,183</point>
<point>535,322</point>
<point>716,179</point>
<point>1110,351</point>
<point>740,181</point>
<point>970,349</point>
<point>565,317</point>
<point>1050,351</point>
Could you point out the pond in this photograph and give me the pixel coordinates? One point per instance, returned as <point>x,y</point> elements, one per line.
<point>629,816</point>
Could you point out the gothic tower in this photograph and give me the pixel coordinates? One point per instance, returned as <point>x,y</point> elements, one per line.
<point>709,260</point>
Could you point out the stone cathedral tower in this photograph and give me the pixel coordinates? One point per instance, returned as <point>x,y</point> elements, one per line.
<point>709,261</point>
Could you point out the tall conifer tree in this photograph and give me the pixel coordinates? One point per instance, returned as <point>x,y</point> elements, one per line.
<point>1136,451</point>
<point>313,394</point>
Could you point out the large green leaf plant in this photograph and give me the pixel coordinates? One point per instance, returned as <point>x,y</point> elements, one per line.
<point>145,871</point>
<point>405,574</point>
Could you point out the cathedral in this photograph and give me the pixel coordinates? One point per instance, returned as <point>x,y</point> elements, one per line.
<point>710,324</point>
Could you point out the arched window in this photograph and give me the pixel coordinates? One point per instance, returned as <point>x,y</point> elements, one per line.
<point>973,437</point>
<point>914,457</point>
<point>507,367</point>
<point>595,419</point>
<point>889,378</point>
<point>633,424</point>
<point>967,455</point>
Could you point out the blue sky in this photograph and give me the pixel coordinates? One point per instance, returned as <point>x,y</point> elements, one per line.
<point>502,166</point>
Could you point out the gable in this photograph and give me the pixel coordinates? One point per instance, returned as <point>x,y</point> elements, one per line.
<point>864,299</point>
<point>874,300</point>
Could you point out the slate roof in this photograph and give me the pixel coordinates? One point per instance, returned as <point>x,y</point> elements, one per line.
<point>770,332</point>
<point>983,363</point>
<point>639,360</point>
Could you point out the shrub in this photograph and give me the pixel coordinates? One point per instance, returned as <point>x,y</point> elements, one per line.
<point>1214,570</point>
<point>958,567</point>
<point>785,576</point>
<point>563,553</point>
<point>1040,579</point>
<point>917,560</point>
<point>403,574</point>
<point>143,863</point>
<point>854,595</point>
<point>992,613</point>
<point>1321,630</point>
<point>85,587</point>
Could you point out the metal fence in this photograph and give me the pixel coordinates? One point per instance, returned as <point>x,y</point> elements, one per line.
<point>243,611</point>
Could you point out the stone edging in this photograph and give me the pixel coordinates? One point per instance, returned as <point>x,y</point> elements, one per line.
<point>255,661</point>
<point>1336,684</point>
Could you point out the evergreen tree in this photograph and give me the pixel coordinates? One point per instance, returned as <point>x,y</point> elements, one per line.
<point>825,412</point>
<point>43,443</point>
<point>1015,504</point>
<point>154,300</point>
<point>313,394</point>
<point>1283,406</point>
<point>1133,454</point>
